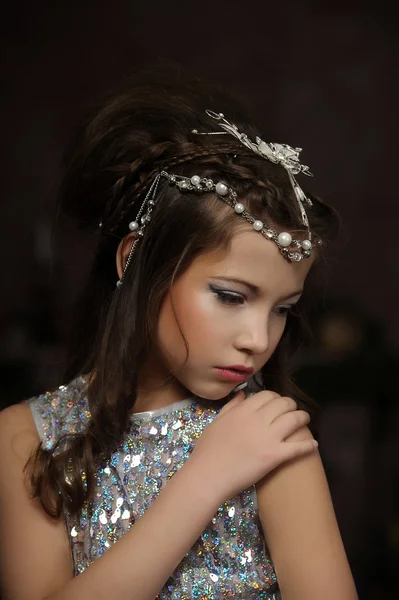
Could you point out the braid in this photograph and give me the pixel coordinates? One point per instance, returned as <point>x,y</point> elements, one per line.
<point>131,171</point>
<point>136,171</point>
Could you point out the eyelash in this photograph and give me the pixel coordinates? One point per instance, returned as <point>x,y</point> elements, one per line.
<point>287,308</point>
<point>234,299</point>
<point>228,297</point>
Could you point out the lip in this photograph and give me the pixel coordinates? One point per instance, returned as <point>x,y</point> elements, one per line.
<point>247,370</point>
<point>230,374</point>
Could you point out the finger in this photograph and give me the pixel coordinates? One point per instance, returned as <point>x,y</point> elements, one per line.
<point>277,407</point>
<point>292,450</point>
<point>260,399</point>
<point>290,422</point>
<point>237,399</point>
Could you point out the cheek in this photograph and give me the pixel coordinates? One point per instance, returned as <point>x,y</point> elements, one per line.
<point>276,332</point>
<point>194,316</point>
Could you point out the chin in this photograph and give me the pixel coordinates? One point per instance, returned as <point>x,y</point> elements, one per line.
<point>213,391</point>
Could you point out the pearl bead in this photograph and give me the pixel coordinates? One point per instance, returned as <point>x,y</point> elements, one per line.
<point>257,225</point>
<point>195,179</point>
<point>239,208</point>
<point>306,244</point>
<point>222,189</point>
<point>284,239</point>
<point>133,226</point>
<point>264,148</point>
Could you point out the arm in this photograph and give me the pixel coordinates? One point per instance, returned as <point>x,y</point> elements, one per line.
<point>301,531</point>
<point>35,559</point>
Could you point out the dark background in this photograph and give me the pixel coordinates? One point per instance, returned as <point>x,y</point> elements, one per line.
<point>323,78</point>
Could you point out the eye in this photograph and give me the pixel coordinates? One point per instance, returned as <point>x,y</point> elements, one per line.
<point>227,297</point>
<point>284,310</point>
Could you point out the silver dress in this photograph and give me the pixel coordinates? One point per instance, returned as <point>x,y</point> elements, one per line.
<point>229,560</point>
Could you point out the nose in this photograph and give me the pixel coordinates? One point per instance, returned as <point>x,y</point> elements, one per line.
<point>254,338</point>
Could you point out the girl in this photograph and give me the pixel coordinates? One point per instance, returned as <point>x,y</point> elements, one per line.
<point>149,474</point>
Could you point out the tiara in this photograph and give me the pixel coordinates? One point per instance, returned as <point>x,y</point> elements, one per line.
<point>292,249</point>
<point>281,154</point>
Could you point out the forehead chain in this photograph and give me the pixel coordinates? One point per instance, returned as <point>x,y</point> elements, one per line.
<point>292,249</point>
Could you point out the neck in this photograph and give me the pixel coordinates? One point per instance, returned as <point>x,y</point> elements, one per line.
<point>158,389</point>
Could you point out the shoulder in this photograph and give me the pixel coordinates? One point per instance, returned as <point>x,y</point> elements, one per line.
<point>60,412</point>
<point>18,440</point>
<point>301,531</point>
<point>18,433</point>
<point>37,546</point>
<point>303,475</point>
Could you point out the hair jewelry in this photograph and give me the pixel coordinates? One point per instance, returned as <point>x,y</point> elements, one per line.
<point>281,154</point>
<point>284,240</point>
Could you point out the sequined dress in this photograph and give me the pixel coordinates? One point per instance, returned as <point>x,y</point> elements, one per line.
<point>229,560</point>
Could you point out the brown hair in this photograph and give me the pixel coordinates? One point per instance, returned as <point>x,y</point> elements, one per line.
<point>109,166</point>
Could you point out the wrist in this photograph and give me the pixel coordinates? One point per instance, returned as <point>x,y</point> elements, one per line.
<point>202,481</point>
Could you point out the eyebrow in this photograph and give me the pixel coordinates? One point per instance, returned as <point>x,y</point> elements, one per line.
<point>254,288</point>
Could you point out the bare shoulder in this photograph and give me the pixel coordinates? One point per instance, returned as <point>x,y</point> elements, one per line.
<point>34,549</point>
<point>16,424</point>
<point>301,531</point>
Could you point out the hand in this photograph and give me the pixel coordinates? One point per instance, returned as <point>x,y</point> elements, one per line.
<point>247,440</point>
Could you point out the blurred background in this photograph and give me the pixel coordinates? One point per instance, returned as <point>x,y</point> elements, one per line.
<point>323,78</point>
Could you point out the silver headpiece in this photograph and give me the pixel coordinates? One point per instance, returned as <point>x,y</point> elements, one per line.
<point>292,249</point>
<point>281,154</point>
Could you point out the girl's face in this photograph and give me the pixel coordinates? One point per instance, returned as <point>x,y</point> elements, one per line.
<point>232,310</point>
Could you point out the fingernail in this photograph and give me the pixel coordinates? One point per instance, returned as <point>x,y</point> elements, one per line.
<point>241,386</point>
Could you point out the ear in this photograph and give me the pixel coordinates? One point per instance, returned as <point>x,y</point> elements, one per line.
<point>123,252</point>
